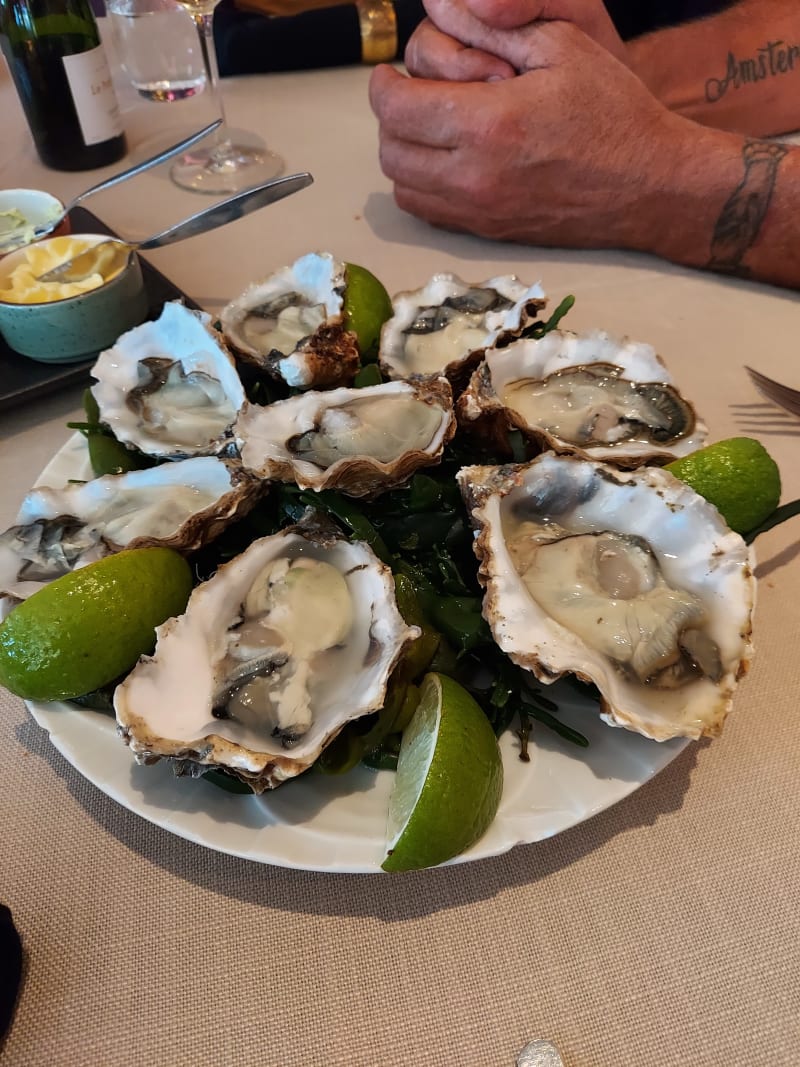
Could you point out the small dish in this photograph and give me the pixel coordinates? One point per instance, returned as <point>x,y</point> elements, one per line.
<point>22,211</point>
<point>66,330</point>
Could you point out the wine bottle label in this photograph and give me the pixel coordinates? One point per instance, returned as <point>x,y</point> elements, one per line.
<point>93,93</point>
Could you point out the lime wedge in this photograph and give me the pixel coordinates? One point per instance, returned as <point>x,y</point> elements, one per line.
<point>449,779</point>
<point>86,628</point>
<point>738,476</point>
<point>367,305</point>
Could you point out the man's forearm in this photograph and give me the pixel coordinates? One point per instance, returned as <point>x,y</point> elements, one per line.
<point>728,204</point>
<point>738,70</point>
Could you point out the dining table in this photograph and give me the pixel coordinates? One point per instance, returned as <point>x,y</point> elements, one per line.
<point>648,917</point>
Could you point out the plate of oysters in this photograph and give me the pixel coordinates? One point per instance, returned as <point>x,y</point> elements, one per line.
<point>466,487</point>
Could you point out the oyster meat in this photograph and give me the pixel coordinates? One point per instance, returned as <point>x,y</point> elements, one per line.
<point>291,324</point>
<point>629,580</point>
<point>587,394</point>
<point>443,327</point>
<point>170,387</point>
<point>362,441</point>
<point>274,655</point>
<point>181,505</point>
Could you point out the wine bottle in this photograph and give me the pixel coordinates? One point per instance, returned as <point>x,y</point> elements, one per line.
<point>62,77</point>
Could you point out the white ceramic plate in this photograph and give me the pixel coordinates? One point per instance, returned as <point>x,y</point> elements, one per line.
<point>323,823</point>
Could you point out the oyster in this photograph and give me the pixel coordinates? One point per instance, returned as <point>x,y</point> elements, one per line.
<point>443,327</point>
<point>169,387</point>
<point>629,580</point>
<point>588,394</point>
<point>291,324</point>
<point>274,655</point>
<point>362,441</point>
<point>180,505</point>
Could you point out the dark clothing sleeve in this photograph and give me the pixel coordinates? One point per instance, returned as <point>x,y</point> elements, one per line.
<point>635,17</point>
<point>249,43</point>
<point>330,37</point>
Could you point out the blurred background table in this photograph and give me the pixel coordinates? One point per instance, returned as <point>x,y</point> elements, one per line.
<point>663,931</point>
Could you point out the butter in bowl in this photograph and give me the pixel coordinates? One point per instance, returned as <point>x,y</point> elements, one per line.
<point>26,212</point>
<point>54,322</point>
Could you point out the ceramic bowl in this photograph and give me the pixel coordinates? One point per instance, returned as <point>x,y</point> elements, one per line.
<point>68,330</point>
<point>37,208</point>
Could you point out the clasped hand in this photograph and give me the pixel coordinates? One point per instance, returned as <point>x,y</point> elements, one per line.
<point>520,120</point>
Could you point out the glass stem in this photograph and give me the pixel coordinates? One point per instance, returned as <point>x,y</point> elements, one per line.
<point>205,28</point>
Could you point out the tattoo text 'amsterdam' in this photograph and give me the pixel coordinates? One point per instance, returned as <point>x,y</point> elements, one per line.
<point>774,59</point>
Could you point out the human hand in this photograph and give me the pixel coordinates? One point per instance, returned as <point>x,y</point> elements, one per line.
<point>565,154</point>
<point>471,21</point>
<point>457,41</point>
<point>433,54</point>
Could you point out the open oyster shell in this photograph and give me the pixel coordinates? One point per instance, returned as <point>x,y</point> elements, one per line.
<point>362,441</point>
<point>274,655</point>
<point>180,505</point>
<point>443,327</point>
<point>629,580</point>
<point>291,324</point>
<point>169,387</point>
<point>588,394</point>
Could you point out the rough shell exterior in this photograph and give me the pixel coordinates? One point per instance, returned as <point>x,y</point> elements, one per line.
<point>262,434</point>
<point>526,303</point>
<point>326,358</point>
<point>482,410</point>
<point>182,505</point>
<point>182,336</point>
<point>695,548</point>
<point>164,706</point>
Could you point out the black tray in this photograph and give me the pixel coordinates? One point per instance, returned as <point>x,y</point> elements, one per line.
<point>23,379</point>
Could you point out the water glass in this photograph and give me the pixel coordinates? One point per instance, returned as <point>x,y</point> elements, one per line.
<point>157,44</point>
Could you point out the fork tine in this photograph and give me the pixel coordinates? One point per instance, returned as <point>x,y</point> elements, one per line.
<point>782,395</point>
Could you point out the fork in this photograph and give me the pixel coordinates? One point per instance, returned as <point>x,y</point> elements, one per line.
<point>782,395</point>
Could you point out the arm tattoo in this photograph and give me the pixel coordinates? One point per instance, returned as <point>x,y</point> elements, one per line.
<point>772,60</point>
<point>739,223</point>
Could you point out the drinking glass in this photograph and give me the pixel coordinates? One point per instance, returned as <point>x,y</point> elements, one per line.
<point>224,167</point>
<point>157,47</point>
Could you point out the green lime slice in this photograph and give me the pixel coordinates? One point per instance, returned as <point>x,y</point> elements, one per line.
<point>738,476</point>
<point>367,305</point>
<point>88,627</point>
<point>449,779</point>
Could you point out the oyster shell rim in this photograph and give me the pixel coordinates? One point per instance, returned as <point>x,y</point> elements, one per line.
<point>478,490</point>
<point>357,476</point>
<point>114,412</point>
<point>481,411</point>
<point>528,302</point>
<point>193,533</point>
<point>264,769</point>
<point>327,358</point>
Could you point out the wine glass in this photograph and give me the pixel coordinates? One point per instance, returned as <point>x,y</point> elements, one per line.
<point>224,167</point>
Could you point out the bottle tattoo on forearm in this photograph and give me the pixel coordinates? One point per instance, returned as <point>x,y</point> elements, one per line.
<point>739,223</point>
